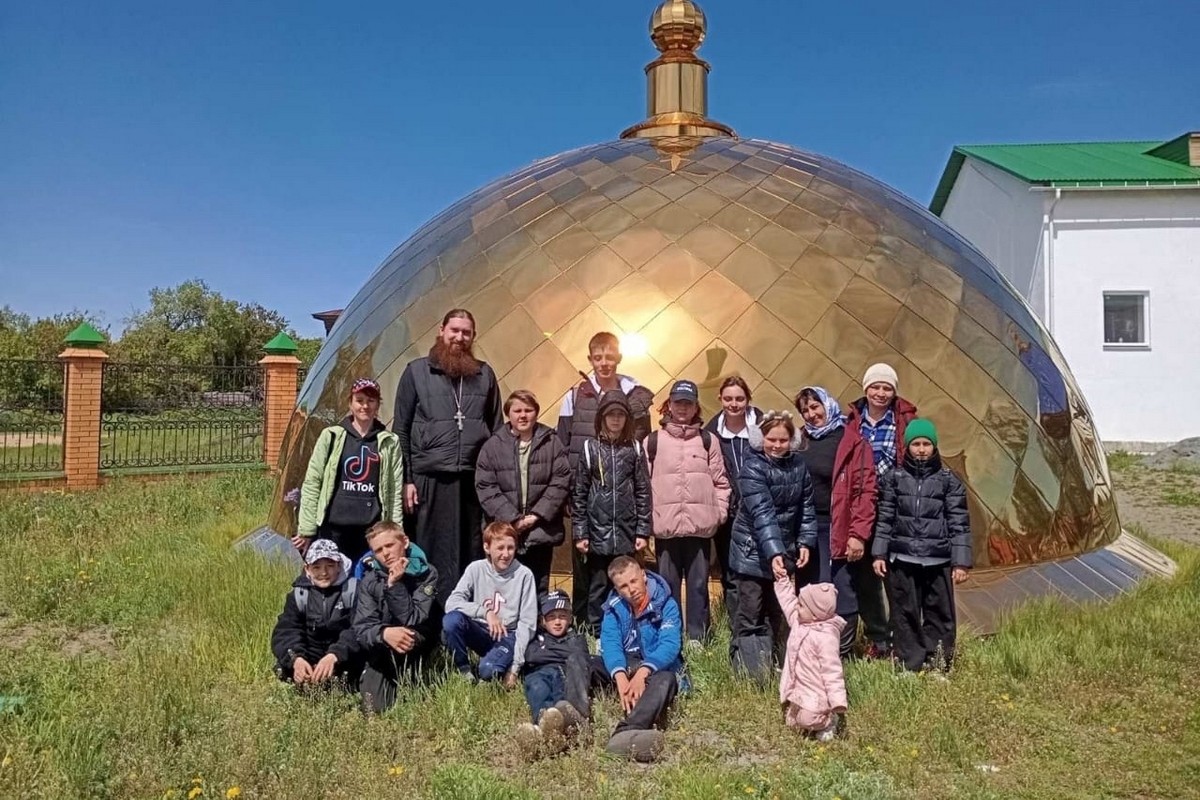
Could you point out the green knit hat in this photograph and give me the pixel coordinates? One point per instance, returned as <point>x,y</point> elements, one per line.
<point>920,429</point>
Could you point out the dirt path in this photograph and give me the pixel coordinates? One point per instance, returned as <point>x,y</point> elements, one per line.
<point>1163,503</point>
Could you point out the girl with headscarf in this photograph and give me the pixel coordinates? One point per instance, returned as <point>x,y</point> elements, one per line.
<point>844,489</point>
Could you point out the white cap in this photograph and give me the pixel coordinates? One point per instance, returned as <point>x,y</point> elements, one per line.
<point>881,373</point>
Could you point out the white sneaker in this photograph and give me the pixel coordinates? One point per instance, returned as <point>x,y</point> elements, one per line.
<point>529,740</point>
<point>827,733</point>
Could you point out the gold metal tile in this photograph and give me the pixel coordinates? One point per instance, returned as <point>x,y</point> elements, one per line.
<point>709,243</point>
<point>844,340</point>
<point>703,202</point>
<point>963,380</point>
<point>933,307</point>
<point>780,187</point>
<point>750,269</point>
<point>716,362</point>
<point>585,205</point>
<point>795,302</point>
<point>764,203</point>
<point>782,247</point>
<point>643,202</point>
<point>509,338</point>
<point>674,185</point>
<point>987,468</point>
<point>984,311</point>
<point>739,220</point>
<point>530,274</point>
<point>727,186</point>
<point>674,221</point>
<point>917,340</point>
<point>639,244</point>
<point>533,209</point>
<point>748,174</point>
<point>572,338</point>
<point>609,222</point>
<point>770,397</point>
<point>807,366</point>
<point>488,215</point>
<point>674,269</point>
<point>1038,466</point>
<point>829,189</point>
<point>633,302</point>
<point>599,272</point>
<point>795,176</point>
<point>816,204</point>
<point>549,225</point>
<point>761,338</point>
<point>824,272</point>
<point>490,304</point>
<point>675,338</point>
<point>510,249</point>
<point>555,304</point>
<point>544,372</point>
<point>1009,423</point>
<point>871,305</point>
<point>599,176</point>
<point>857,225</point>
<point>570,246</point>
<point>495,232</point>
<point>452,259</point>
<point>806,225</point>
<point>715,302</point>
<point>942,278</point>
<point>842,246</point>
<point>621,186</point>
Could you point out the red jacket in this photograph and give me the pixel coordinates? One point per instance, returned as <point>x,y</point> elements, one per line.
<point>852,500</point>
<point>904,412</point>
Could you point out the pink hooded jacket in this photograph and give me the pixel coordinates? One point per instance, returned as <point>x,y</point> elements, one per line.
<point>813,686</point>
<point>689,487</point>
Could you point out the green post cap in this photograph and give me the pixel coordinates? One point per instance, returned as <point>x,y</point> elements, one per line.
<point>281,345</point>
<point>84,336</point>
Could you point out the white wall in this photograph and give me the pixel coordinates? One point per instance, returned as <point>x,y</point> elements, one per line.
<point>999,215</point>
<point>1132,240</point>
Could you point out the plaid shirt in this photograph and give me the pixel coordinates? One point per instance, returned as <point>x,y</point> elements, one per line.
<point>882,438</point>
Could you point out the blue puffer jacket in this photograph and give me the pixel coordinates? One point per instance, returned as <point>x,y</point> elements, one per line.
<point>776,515</point>
<point>654,636</point>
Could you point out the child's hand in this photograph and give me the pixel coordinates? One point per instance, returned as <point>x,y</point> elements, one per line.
<point>301,671</point>
<point>323,671</point>
<point>396,570</point>
<point>410,497</point>
<point>880,567</point>
<point>854,549</point>
<point>958,575</point>
<point>301,543</point>
<point>582,546</point>
<point>639,543</point>
<point>802,559</point>
<point>399,639</point>
<point>510,681</point>
<point>777,568</point>
<point>495,626</point>
<point>623,691</point>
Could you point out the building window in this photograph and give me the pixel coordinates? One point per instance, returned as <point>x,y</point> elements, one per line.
<point>1126,319</point>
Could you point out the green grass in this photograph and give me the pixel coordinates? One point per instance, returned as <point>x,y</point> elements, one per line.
<point>1121,460</point>
<point>1181,497</point>
<point>139,642</point>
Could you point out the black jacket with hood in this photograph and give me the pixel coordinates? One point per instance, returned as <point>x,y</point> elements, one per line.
<point>498,483</point>
<point>323,626</point>
<point>923,513</point>
<point>611,494</point>
<point>411,603</point>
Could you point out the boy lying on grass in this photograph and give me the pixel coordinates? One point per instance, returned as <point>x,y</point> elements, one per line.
<point>313,641</point>
<point>397,613</point>
<point>556,676</point>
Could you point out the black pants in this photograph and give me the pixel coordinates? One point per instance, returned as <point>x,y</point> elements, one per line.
<point>822,568</point>
<point>684,559</point>
<point>383,673</point>
<point>651,710</point>
<point>539,558</point>
<point>728,586</point>
<point>571,681</point>
<point>579,588</point>
<point>447,524</point>
<point>595,579</point>
<point>351,540</point>
<point>922,602</point>
<point>872,608</point>
<point>759,630</point>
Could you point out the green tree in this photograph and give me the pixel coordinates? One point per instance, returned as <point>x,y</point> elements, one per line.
<point>22,336</point>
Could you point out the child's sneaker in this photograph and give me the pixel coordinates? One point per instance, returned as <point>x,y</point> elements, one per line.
<point>644,745</point>
<point>553,726</point>
<point>529,740</point>
<point>575,722</point>
<point>827,733</point>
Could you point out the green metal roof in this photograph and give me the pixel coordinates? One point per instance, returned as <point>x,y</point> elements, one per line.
<point>1074,164</point>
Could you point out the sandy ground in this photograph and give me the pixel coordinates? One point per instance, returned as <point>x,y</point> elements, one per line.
<point>25,439</point>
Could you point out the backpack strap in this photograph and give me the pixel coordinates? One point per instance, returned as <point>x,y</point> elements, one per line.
<point>651,449</point>
<point>706,439</point>
<point>587,454</point>
<point>349,593</point>
<point>300,594</point>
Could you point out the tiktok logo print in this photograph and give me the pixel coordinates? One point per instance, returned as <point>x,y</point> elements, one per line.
<point>494,603</point>
<point>357,470</point>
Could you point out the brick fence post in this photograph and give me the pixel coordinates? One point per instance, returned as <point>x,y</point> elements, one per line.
<point>83,361</point>
<point>280,377</point>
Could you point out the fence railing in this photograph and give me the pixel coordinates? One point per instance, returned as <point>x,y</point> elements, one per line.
<point>164,415</point>
<point>31,416</point>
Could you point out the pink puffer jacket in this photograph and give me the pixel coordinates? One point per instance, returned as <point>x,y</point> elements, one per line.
<point>689,487</point>
<point>813,686</point>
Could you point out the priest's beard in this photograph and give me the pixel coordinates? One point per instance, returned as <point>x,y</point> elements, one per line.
<point>455,360</point>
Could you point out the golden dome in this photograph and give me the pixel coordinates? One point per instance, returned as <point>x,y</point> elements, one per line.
<point>713,255</point>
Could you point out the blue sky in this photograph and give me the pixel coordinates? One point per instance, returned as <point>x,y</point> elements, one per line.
<point>281,150</point>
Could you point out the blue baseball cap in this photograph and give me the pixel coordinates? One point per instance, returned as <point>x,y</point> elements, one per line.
<point>557,600</point>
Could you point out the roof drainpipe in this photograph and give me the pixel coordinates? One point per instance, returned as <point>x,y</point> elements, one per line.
<point>1048,258</point>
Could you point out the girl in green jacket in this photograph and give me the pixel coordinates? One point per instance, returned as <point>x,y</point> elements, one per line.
<point>353,479</point>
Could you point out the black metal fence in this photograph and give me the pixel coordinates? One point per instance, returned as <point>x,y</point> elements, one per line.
<point>164,415</point>
<point>31,416</point>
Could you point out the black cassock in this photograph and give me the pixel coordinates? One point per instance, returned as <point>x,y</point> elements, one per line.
<point>442,423</point>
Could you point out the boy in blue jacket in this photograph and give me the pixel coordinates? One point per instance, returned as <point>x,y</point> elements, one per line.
<point>640,643</point>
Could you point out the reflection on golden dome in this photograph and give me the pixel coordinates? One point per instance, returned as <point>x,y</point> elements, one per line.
<point>719,255</point>
<point>677,25</point>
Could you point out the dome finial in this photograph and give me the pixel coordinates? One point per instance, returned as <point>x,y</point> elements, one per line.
<point>677,25</point>
<point>677,81</point>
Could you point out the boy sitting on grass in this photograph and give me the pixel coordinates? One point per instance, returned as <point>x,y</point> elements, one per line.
<point>397,613</point>
<point>557,670</point>
<point>493,610</point>
<point>313,641</point>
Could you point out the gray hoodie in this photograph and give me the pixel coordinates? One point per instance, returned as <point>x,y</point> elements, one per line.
<point>511,593</point>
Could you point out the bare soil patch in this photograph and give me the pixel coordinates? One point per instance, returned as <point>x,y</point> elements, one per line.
<point>70,643</point>
<point>1164,503</point>
<point>29,439</point>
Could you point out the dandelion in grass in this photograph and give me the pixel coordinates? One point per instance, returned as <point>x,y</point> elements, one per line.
<point>1004,697</point>
<point>914,752</point>
<point>6,761</point>
<point>395,770</point>
<point>194,792</point>
<point>232,793</point>
<point>749,790</point>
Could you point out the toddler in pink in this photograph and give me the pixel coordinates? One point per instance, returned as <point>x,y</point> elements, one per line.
<point>813,686</point>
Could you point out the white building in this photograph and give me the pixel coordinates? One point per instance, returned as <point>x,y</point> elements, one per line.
<point>1103,241</point>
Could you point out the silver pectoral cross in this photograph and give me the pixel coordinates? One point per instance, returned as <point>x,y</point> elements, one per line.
<point>458,418</point>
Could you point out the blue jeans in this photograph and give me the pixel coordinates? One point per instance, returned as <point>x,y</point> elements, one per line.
<point>544,687</point>
<point>464,635</point>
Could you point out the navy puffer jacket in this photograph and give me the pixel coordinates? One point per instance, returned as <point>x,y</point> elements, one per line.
<point>776,515</point>
<point>923,513</point>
